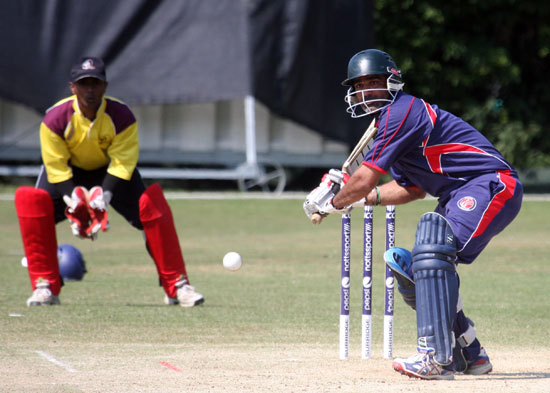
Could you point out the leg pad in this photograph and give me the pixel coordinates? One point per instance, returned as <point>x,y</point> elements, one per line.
<point>35,212</point>
<point>436,282</point>
<point>162,239</point>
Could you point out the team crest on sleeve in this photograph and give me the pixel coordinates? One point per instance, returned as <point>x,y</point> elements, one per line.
<point>467,203</point>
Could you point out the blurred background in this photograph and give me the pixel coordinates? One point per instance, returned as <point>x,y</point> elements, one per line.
<point>246,94</point>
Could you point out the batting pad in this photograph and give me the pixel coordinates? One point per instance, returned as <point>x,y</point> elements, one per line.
<point>35,211</point>
<point>162,240</point>
<point>436,282</point>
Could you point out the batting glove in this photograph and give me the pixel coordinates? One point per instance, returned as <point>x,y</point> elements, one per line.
<point>337,177</point>
<point>320,199</point>
<point>328,208</point>
<point>77,211</point>
<point>319,194</point>
<point>97,207</point>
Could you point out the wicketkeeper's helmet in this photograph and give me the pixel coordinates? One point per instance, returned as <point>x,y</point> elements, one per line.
<point>71,263</point>
<point>366,63</point>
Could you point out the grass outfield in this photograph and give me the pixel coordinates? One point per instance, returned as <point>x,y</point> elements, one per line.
<point>113,333</point>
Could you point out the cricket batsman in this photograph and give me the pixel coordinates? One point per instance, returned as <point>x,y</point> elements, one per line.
<point>426,150</point>
<point>90,146</point>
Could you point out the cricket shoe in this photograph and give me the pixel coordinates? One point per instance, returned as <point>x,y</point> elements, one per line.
<point>422,365</point>
<point>186,296</point>
<point>42,295</point>
<point>480,365</point>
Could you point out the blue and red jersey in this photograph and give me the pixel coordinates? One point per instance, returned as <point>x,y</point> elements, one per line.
<point>427,147</point>
<point>424,146</point>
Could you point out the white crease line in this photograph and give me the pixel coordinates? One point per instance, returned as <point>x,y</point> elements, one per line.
<point>55,361</point>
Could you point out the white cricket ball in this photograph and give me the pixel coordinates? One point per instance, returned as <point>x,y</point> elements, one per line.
<point>24,262</point>
<point>232,261</point>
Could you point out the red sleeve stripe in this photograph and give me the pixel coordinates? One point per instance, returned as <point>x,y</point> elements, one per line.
<point>496,205</point>
<point>377,168</point>
<point>386,128</point>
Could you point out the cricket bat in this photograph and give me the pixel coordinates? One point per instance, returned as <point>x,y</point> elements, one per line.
<point>354,160</point>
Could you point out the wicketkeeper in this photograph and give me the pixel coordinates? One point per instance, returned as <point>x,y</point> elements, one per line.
<point>90,147</point>
<point>426,150</point>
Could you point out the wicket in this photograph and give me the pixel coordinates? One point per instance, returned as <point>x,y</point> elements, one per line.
<point>366,318</point>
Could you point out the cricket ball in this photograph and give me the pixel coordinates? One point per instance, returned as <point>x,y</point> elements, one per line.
<point>232,261</point>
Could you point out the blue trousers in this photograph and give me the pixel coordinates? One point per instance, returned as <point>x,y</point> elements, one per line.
<point>477,212</point>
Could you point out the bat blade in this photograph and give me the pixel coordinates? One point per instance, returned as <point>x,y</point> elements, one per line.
<point>354,160</point>
<point>357,155</point>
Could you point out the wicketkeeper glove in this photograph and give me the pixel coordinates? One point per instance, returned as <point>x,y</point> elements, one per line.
<point>77,211</point>
<point>97,207</point>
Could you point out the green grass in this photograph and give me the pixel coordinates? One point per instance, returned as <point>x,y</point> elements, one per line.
<point>287,291</point>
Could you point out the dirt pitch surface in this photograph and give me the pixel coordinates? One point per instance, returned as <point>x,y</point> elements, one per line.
<point>144,368</point>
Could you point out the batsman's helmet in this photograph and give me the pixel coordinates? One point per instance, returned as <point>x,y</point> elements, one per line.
<point>71,264</point>
<point>365,63</point>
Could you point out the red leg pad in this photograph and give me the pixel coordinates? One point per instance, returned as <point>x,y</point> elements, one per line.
<point>36,220</point>
<point>162,239</point>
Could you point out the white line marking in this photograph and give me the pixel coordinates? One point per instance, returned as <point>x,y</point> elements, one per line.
<point>50,358</point>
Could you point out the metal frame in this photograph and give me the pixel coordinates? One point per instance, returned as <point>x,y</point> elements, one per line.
<point>268,175</point>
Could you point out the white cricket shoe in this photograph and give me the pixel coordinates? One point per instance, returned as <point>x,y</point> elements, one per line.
<point>187,296</point>
<point>42,295</point>
<point>422,365</point>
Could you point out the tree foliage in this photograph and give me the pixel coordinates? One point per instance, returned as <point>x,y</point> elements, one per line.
<point>487,61</point>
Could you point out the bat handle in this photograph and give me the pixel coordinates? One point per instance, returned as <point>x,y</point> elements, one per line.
<point>316,218</point>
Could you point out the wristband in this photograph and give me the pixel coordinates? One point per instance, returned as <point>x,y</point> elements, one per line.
<point>377,196</point>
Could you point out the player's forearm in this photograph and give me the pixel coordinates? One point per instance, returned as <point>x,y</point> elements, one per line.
<point>387,194</point>
<point>65,187</point>
<point>347,196</point>
<point>358,186</point>
<point>393,194</point>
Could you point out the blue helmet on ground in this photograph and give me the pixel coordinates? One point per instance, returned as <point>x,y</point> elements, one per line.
<point>71,263</point>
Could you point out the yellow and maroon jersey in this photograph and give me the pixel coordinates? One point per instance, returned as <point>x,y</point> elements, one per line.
<point>68,137</point>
